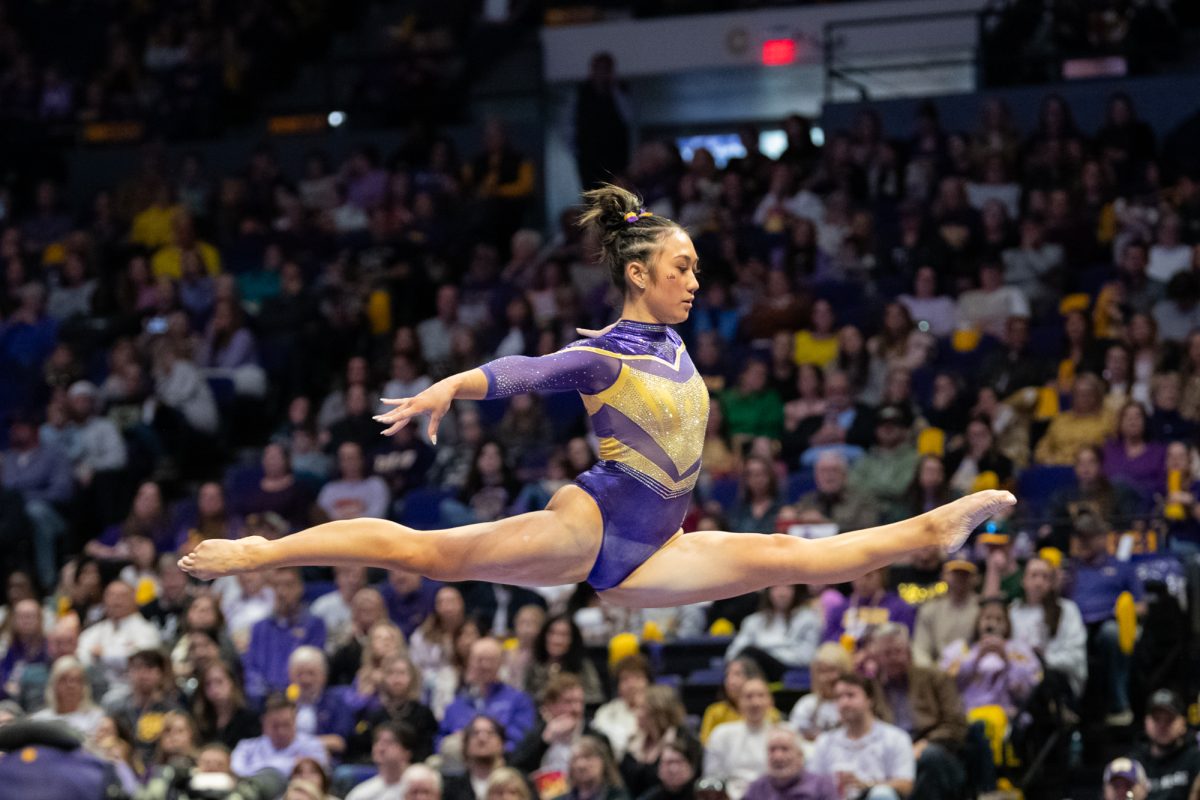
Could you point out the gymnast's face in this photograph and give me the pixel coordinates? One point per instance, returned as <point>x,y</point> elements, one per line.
<point>668,284</point>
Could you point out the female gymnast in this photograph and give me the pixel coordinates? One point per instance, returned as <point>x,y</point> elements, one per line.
<point>618,525</point>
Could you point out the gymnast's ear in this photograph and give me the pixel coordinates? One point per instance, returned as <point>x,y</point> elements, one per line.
<point>637,275</point>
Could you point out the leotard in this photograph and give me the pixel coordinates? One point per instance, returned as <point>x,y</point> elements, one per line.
<point>649,409</point>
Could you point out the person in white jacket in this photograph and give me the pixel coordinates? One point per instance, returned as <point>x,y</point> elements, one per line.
<point>1051,625</point>
<point>782,635</point>
<point>736,752</point>
<point>111,641</point>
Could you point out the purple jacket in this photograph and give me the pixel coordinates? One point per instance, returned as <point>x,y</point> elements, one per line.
<point>272,642</point>
<point>511,707</point>
<point>806,786</point>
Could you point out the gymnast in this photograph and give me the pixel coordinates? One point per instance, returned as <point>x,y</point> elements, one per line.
<point>618,525</point>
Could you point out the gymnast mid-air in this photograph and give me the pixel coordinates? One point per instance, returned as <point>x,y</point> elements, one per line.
<point>618,525</point>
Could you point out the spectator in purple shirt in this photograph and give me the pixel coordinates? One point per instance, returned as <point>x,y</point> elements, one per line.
<point>786,778</point>
<point>281,744</point>
<point>409,599</point>
<point>483,693</point>
<point>273,639</point>
<point>325,712</point>
<point>365,181</point>
<point>28,335</point>
<point>868,606</point>
<point>1095,580</point>
<point>228,343</point>
<point>42,476</point>
<point>1130,459</point>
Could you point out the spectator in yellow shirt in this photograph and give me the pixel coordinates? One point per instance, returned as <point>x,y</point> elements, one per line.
<point>167,261</point>
<point>1086,423</point>
<point>152,226</point>
<point>818,346</point>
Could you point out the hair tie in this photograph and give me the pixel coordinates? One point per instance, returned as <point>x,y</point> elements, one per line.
<point>633,216</point>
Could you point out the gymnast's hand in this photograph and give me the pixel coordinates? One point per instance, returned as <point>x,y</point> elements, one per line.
<point>434,401</point>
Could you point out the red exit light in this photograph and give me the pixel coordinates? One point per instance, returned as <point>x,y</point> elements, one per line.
<point>778,52</point>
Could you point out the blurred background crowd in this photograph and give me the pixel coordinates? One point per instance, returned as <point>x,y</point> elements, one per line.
<point>889,318</point>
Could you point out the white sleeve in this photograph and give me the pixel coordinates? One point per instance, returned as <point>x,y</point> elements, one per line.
<point>377,499</point>
<point>108,452</point>
<point>83,650</point>
<point>899,757</point>
<point>714,753</point>
<point>1067,650</point>
<point>803,712</point>
<point>818,763</point>
<point>745,635</point>
<point>805,632</point>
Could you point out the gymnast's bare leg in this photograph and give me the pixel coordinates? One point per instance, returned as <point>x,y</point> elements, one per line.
<point>710,565</point>
<point>559,545</point>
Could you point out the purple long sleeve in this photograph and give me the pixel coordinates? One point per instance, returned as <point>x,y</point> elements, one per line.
<point>572,369</point>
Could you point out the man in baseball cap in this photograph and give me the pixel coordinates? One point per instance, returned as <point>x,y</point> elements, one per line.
<point>887,470</point>
<point>949,616</point>
<point>1170,757</point>
<point>1125,778</point>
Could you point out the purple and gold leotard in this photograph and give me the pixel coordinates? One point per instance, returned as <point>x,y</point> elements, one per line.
<point>649,408</point>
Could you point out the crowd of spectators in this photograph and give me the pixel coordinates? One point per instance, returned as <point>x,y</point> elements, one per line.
<point>181,67</point>
<point>887,322</point>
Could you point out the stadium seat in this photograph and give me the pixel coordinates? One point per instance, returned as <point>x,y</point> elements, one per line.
<point>240,481</point>
<point>314,589</point>
<point>223,391</point>
<point>683,656</point>
<point>422,507</point>
<point>724,491</point>
<point>798,680</point>
<point>799,484</point>
<point>1037,485</point>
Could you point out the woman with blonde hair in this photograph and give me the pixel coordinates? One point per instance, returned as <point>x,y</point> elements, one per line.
<point>527,627</point>
<point>1087,423</point>
<point>817,711</point>
<point>69,697</point>
<point>507,783</point>
<point>384,640</point>
<point>397,698</point>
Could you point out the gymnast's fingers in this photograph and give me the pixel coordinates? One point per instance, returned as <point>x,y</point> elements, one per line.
<point>394,401</point>
<point>399,412</point>
<point>435,419</point>
<point>396,427</point>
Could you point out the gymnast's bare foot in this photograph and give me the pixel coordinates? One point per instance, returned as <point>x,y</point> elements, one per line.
<point>214,558</point>
<point>951,524</point>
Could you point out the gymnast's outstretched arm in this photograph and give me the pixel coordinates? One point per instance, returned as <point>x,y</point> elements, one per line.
<point>587,371</point>
<point>542,548</point>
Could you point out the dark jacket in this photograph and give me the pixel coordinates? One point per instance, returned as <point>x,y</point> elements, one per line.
<point>528,754</point>
<point>1172,773</point>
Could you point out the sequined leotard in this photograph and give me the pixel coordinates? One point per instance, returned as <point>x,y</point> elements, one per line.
<point>649,408</point>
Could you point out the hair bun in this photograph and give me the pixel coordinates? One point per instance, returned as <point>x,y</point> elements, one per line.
<point>607,207</point>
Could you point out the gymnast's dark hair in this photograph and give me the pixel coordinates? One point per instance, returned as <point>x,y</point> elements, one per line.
<point>626,233</point>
